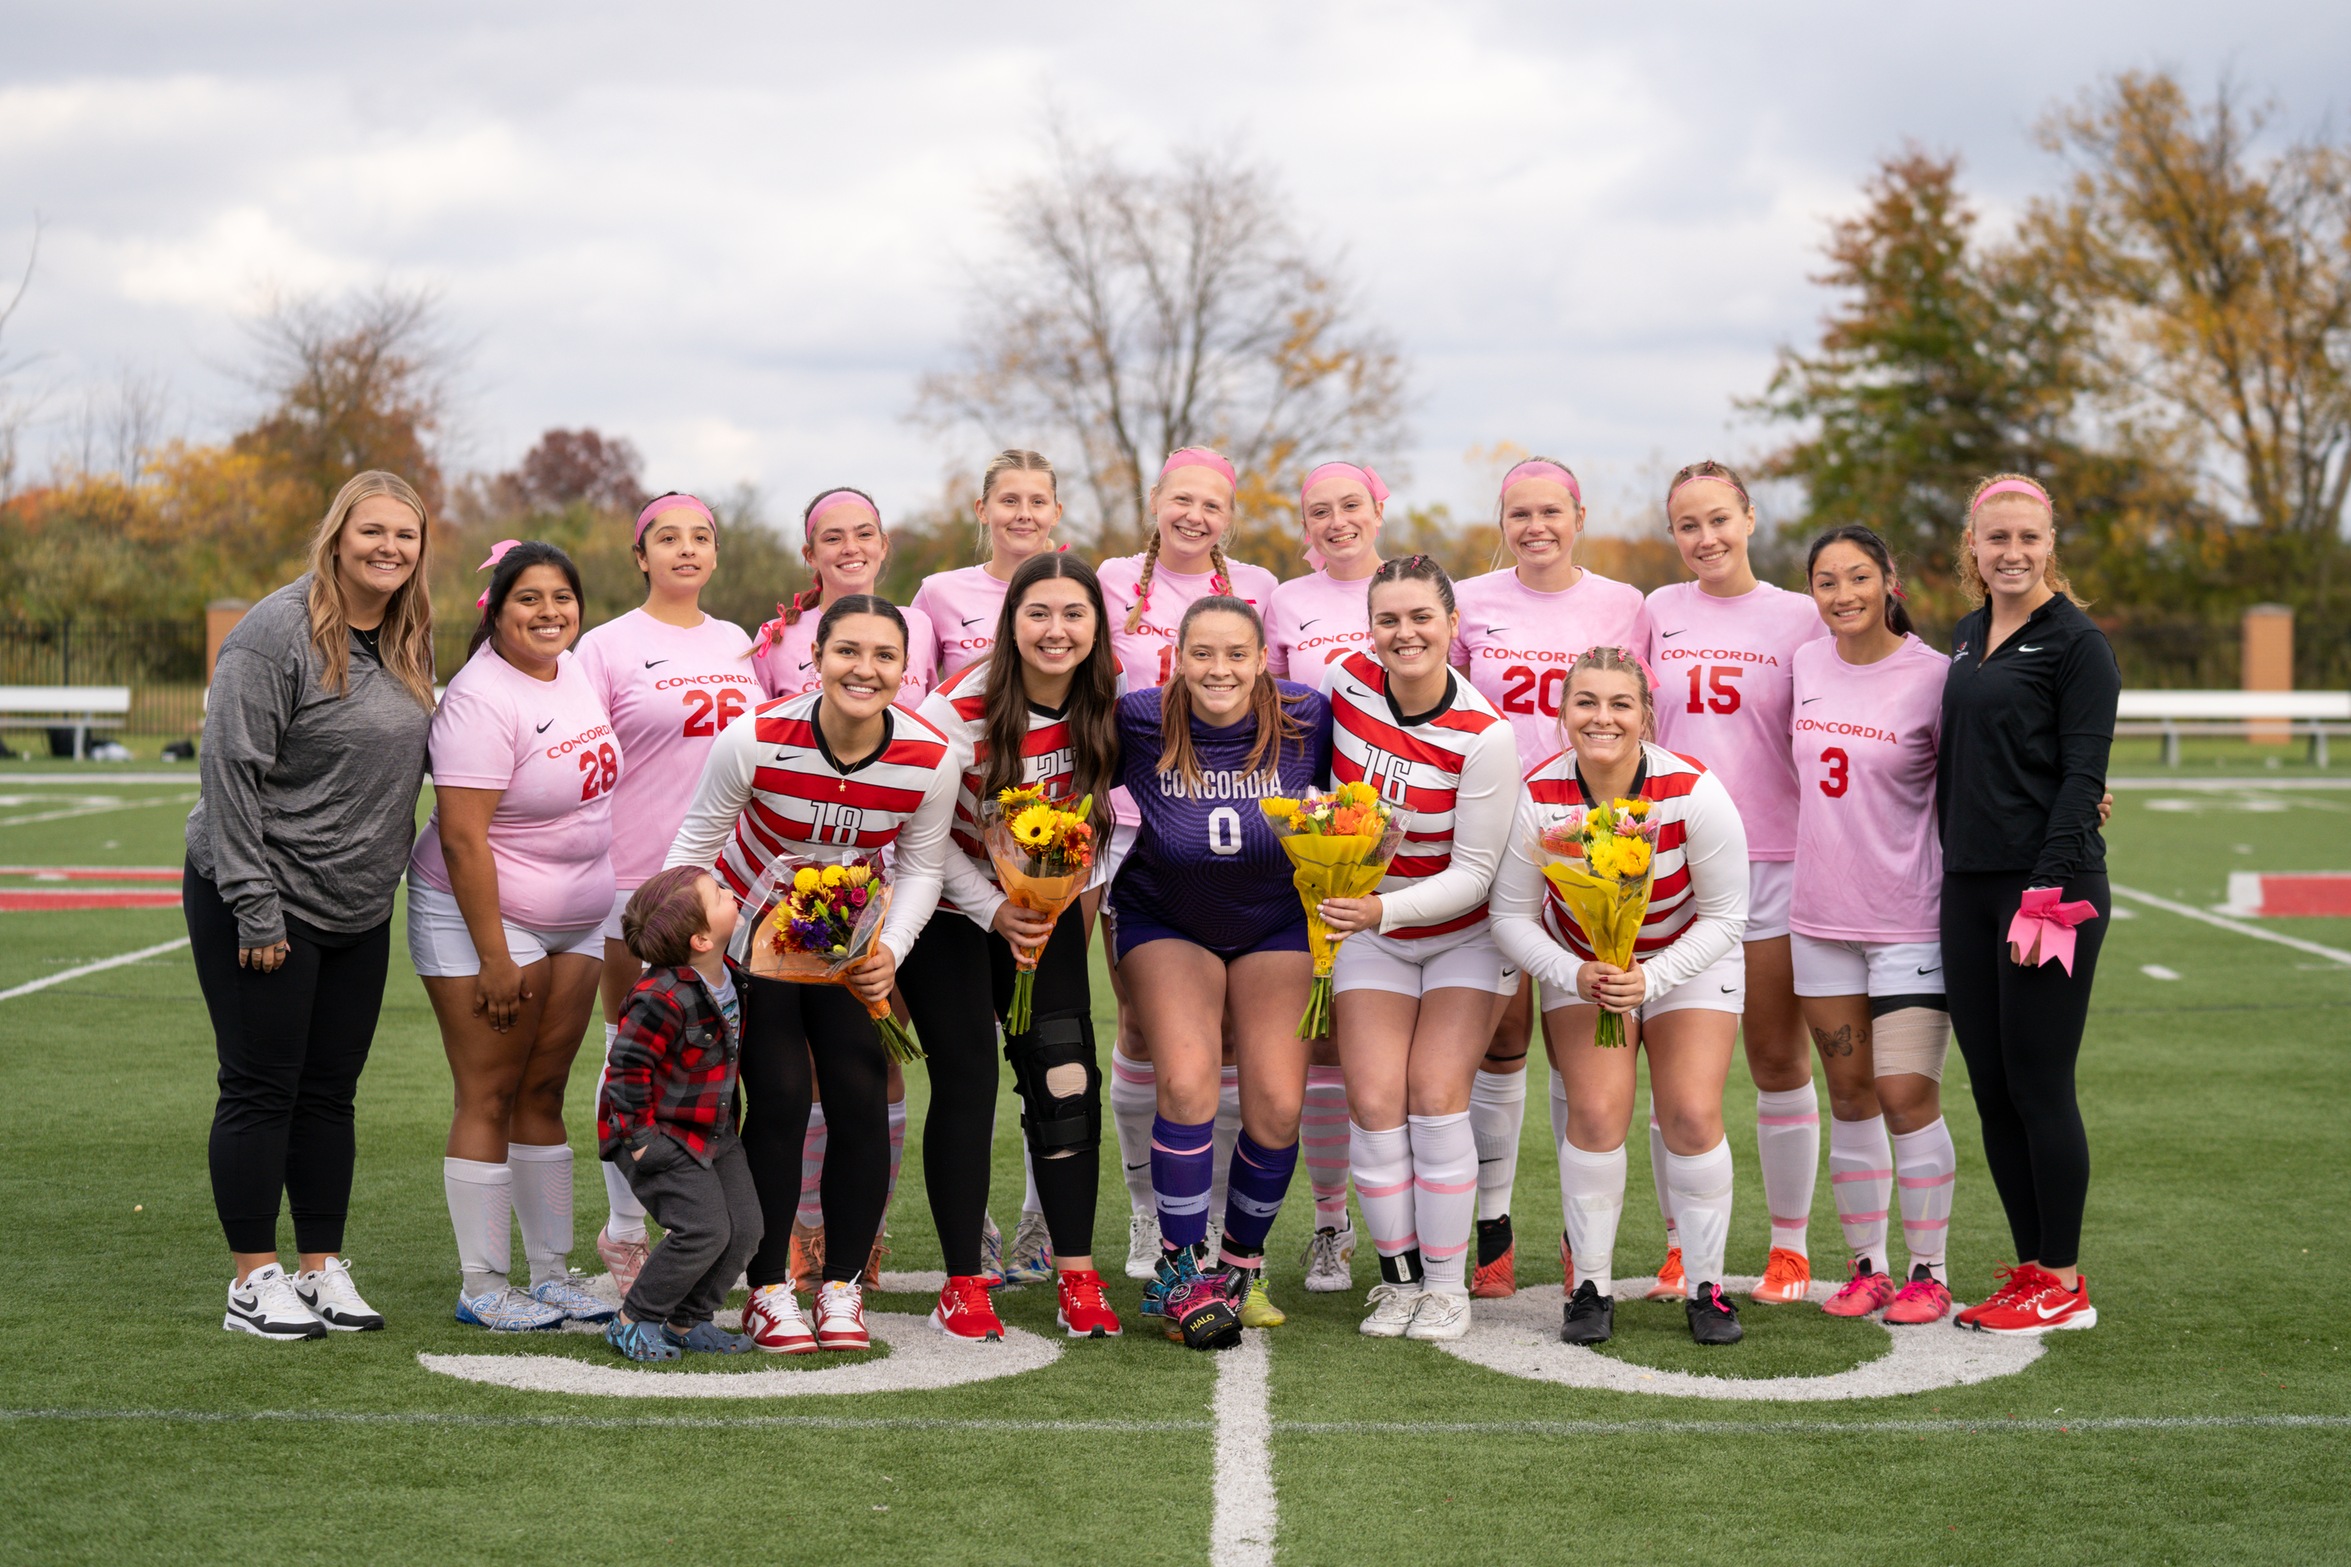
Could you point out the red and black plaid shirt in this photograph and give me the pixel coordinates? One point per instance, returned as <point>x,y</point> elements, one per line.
<point>672,1067</point>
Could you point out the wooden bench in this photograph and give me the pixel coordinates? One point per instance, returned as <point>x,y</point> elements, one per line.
<point>2171,714</point>
<point>78,708</point>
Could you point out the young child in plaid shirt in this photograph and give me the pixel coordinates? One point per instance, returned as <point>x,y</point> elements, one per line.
<point>666,1117</point>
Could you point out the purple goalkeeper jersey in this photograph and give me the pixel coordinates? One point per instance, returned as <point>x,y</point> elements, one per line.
<point>1205,864</point>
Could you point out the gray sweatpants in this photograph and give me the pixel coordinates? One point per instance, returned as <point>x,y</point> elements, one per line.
<point>711,1223</point>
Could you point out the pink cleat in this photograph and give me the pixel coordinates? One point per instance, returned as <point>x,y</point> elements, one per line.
<point>1864,1293</point>
<point>1924,1299</point>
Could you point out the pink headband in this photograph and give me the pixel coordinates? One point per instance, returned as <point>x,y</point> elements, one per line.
<point>497,554</point>
<point>1339,470</point>
<point>829,500</point>
<point>2010,487</point>
<point>1198,457</point>
<point>1537,468</point>
<point>678,502</point>
<point>1699,477</point>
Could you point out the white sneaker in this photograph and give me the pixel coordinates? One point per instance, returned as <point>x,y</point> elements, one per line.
<point>1030,1261</point>
<point>571,1296</point>
<point>1327,1257</point>
<point>840,1317</point>
<point>1392,1306</point>
<point>1443,1316</point>
<point>772,1317</point>
<point>1143,1245</point>
<point>266,1305</point>
<point>506,1310</point>
<point>334,1299</point>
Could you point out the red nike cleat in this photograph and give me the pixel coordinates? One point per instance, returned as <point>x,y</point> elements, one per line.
<point>2050,1309</point>
<point>965,1312</point>
<point>1084,1312</point>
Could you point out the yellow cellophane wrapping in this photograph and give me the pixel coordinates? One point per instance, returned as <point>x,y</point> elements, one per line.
<point>1324,866</point>
<point>1609,912</point>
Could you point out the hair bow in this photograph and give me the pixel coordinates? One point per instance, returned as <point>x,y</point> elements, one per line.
<point>497,554</point>
<point>2044,920</point>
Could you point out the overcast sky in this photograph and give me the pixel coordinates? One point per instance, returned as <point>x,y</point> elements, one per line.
<point>737,238</point>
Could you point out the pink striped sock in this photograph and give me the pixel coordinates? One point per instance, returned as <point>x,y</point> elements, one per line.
<point>1444,1195</point>
<point>897,1149</point>
<point>1787,1139</point>
<point>1861,1173</point>
<point>1383,1185</point>
<point>1927,1167</point>
<point>1323,1132</point>
<point>812,1147</point>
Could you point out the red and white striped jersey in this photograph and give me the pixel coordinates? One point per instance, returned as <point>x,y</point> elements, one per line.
<point>958,709</point>
<point>1455,770</point>
<point>1698,885</point>
<point>772,789</point>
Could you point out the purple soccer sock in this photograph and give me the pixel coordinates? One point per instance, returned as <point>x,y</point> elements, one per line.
<point>1181,1165</point>
<point>1253,1197</point>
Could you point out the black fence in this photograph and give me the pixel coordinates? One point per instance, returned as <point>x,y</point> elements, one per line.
<point>162,661</point>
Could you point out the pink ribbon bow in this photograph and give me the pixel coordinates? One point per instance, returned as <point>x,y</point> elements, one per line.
<point>497,554</point>
<point>2043,919</point>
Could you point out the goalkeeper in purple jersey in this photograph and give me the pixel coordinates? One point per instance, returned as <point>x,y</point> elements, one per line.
<point>1208,927</point>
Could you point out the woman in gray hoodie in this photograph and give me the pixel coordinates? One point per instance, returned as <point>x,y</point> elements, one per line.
<point>313,757</point>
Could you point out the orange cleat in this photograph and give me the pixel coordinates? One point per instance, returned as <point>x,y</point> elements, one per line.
<point>873,1259</point>
<point>1787,1276</point>
<point>1496,1280</point>
<point>1670,1284</point>
<point>807,1260</point>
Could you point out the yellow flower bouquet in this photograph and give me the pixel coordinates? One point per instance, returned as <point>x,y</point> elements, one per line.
<point>1043,852</point>
<point>1599,864</point>
<point>1339,846</point>
<point>825,920</point>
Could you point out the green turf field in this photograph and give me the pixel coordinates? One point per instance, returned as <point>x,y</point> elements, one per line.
<point>2205,1419</point>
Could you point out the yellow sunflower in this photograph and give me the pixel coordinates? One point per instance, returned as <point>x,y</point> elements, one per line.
<point>1034,826</point>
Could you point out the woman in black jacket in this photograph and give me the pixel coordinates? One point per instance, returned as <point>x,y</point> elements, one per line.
<point>2028,720</point>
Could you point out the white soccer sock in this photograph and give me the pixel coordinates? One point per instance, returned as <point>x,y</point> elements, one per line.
<point>897,1122</point>
<point>813,1144</point>
<point>1134,1100</point>
<point>542,1206</point>
<point>1701,1188</point>
<point>1591,1194</point>
<point>1444,1195</point>
<point>624,1218</point>
<point>1228,1132</point>
<point>1861,1173</point>
<point>1657,1158</point>
<point>1322,1143</point>
<point>1787,1137</point>
<point>1382,1163</point>
<point>1497,1114</point>
<point>1928,1166</point>
<point>481,1212</point>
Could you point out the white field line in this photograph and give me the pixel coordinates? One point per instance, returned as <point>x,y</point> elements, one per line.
<point>1988,1425</point>
<point>1241,1532</point>
<point>98,967</point>
<point>2229,785</point>
<point>2239,927</point>
<point>93,810</point>
<point>95,780</point>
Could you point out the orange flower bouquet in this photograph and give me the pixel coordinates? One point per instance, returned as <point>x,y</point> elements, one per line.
<point>1043,852</point>
<point>825,920</point>
<point>1339,846</point>
<point>1599,864</point>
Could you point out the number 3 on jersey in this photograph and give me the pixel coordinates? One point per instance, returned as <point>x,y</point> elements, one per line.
<point>1840,776</point>
<point>705,717</point>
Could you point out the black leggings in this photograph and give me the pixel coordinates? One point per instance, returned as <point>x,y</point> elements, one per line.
<point>291,1045</point>
<point>784,1026</point>
<point>951,969</point>
<point>2020,1030</point>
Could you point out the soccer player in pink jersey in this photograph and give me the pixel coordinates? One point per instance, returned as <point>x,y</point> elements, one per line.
<point>1724,649</point>
<point>1191,511</point>
<point>508,888</point>
<point>1419,981</point>
<point>845,545</point>
<point>1521,628</point>
<point>1686,984</point>
<point>1867,921</point>
<point>1320,618</point>
<point>1018,508</point>
<point>671,678</point>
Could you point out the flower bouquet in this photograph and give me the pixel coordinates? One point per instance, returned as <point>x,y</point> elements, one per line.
<point>1043,852</point>
<point>825,919</point>
<point>1599,864</point>
<point>1339,846</point>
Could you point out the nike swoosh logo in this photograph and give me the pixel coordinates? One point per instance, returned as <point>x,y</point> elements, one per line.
<point>1937,969</point>
<point>1668,636</point>
<point>975,618</point>
<point>542,729</point>
<point>1808,701</point>
<point>653,663</point>
<point>804,663</point>
<point>2045,1313</point>
<point>2028,650</point>
<point>1303,624</point>
<point>1726,990</point>
<point>1490,630</point>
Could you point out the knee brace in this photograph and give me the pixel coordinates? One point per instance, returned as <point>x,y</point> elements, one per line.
<point>1910,1038</point>
<point>1059,1082</point>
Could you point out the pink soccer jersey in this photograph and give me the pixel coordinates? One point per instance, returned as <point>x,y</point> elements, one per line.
<point>549,745</point>
<point>669,690</point>
<point>963,607</point>
<point>1868,865</point>
<point>1516,645</point>
<point>1726,672</point>
<point>1316,621</point>
<point>787,667</point>
<point>1146,654</point>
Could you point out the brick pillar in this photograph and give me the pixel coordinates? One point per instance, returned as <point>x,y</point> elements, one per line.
<point>220,618</point>
<point>2269,664</point>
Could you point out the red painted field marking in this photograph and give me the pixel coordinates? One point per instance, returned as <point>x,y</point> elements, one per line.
<point>2290,894</point>
<point>95,872</point>
<point>67,900</point>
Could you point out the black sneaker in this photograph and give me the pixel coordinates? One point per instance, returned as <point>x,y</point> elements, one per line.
<point>1591,1316</point>
<point>1713,1319</point>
